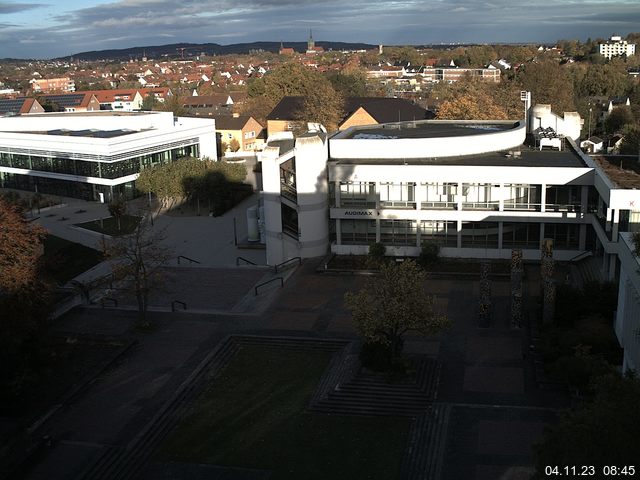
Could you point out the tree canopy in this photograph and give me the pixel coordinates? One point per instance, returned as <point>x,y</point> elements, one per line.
<point>393,304</point>
<point>603,431</point>
<point>20,248</point>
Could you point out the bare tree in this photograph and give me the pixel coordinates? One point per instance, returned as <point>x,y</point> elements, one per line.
<point>138,258</point>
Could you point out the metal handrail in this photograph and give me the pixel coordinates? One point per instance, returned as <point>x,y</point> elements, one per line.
<point>191,260</point>
<point>275,269</point>
<point>109,299</point>
<point>255,289</point>
<point>582,255</point>
<point>244,260</point>
<point>173,305</point>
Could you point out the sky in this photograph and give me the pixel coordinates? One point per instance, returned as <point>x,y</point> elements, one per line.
<point>49,29</point>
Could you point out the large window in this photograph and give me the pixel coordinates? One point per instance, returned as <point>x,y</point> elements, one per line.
<point>478,196</point>
<point>565,236</point>
<point>398,232</point>
<point>288,188</point>
<point>358,232</point>
<point>522,197</point>
<point>397,195</point>
<point>520,235</point>
<point>439,195</point>
<point>358,194</point>
<point>439,231</point>
<point>290,221</point>
<point>479,234</point>
<point>563,198</point>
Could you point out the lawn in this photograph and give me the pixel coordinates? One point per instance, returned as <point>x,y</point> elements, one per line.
<point>109,225</point>
<point>253,416</point>
<point>65,260</point>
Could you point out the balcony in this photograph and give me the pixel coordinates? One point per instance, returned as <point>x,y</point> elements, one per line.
<point>398,204</point>
<point>439,205</point>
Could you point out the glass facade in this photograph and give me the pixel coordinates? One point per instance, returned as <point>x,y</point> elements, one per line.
<point>439,195</point>
<point>520,235</point>
<point>478,196</point>
<point>522,197</point>
<point>89,168</point>
<point>358,194</point>
<point>479,234</point>
<point>398,232</point>
<point>358,232</point>
<point>398,195</point>
<point>565,236</point>
<point>83,168</point>
<point>444,233</point>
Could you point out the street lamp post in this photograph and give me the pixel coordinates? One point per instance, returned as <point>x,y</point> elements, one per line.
<point>589,122</point>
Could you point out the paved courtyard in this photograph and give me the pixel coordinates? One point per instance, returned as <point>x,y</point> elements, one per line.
<point>496,410</point>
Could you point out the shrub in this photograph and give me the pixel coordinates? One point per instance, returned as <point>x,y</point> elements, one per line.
<point>429,255</point>
<point>377,250</point>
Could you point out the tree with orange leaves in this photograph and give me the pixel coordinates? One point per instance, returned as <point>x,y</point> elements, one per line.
<point>20,249</point>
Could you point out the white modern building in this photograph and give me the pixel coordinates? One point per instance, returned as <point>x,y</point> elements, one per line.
<point>94,155</point>
<point>616,47</point>
<point>479,189</point>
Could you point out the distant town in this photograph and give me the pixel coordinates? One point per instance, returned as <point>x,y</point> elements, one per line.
<point>321,260</point>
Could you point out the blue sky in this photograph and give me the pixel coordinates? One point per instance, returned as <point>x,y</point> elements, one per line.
<point>46,29</point>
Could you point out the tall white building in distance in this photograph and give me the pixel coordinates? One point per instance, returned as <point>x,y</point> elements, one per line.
<point>616,47</point>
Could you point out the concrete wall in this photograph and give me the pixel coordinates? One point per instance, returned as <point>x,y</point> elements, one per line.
<point>568,125</point>
<point>433,147</point>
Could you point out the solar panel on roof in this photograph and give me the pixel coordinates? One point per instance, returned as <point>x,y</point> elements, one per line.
<point>11,105</point>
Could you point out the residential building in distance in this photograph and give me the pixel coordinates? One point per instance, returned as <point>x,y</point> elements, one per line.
<point>208,105</point>
<point>358,111</point>
<point>245,130</point>
<point>53,85</point>
<point>124,100</point>
<point>95,155</point>
<point>19,106</point>
<point>616,47</point>
<point>70,102</point>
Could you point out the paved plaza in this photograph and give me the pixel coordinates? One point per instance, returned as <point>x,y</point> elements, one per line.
<point>495,410</point>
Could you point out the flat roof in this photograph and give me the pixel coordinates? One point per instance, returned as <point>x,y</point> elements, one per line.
<point>528,158</point>
<point>88,133</point>
<point>427,129</point>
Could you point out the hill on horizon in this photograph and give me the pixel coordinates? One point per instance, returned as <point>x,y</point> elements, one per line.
<point>191,49</point>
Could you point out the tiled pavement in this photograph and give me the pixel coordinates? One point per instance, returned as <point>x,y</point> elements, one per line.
<point>496,410</point>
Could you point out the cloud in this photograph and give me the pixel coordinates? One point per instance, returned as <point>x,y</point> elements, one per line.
<point>125,23</point>
<point>7,7</point>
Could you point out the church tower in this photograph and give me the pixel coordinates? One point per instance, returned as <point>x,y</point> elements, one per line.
<point>311,45</point>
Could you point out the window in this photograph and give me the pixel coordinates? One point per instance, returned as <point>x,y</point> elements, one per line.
<point>397,195</point>
<point>357,232</point>
<point>565,236</point>
<point>358,194</point>
<point>398,232</point>
<point>444,233</point>
<point>479,234</point>
<point>439,195</point>
<point>520,235</point>
<point>478,196</point>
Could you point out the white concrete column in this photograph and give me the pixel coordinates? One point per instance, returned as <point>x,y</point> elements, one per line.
<point>543,197</point>
<point>459,203</point>
<point>421,193</point>
<point>336,193</point>
<point>501,195</point>
<point>614,225</point>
